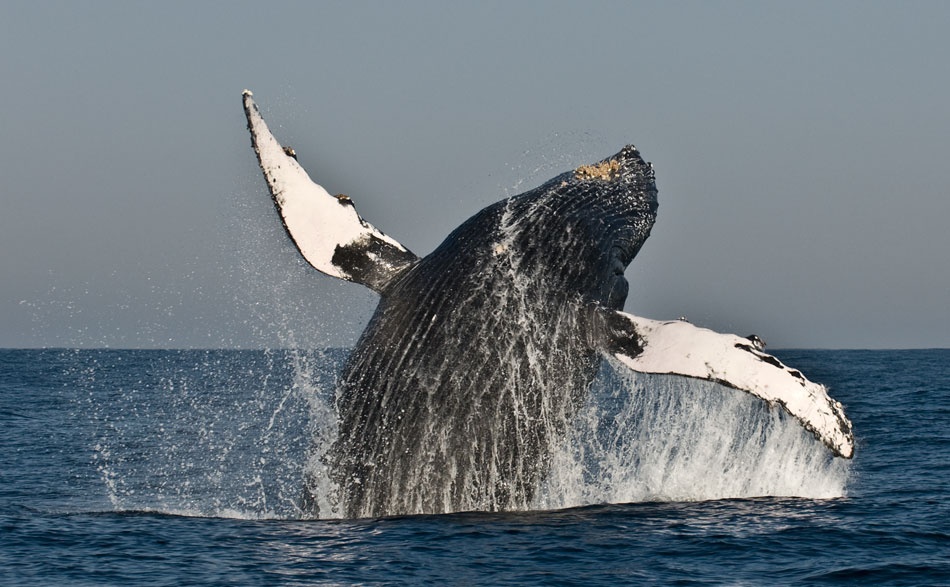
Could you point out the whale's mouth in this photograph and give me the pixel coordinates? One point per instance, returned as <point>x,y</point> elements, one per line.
<point>618,287</point>
<point>617,266</point>
<point>623,251</point>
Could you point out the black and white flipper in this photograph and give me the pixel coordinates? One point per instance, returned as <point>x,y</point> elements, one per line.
<point>328,232</point>
<point>679,348</point>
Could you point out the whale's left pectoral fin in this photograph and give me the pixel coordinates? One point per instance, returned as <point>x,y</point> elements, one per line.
<point>328,232</point>
<point>679,348</point>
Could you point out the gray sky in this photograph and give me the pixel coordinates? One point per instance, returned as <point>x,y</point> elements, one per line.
<point>800,153</point>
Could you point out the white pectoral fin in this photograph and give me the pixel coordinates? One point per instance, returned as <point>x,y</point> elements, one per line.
<point>679,348</point>
<point>328,232</point>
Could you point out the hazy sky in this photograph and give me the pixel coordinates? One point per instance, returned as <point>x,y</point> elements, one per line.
<point>800,151</point>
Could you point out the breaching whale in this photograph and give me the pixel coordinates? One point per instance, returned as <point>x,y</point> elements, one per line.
<point>478,354</point>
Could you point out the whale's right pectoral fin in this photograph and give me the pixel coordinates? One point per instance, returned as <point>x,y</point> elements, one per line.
<point>328,232</point>
<point>679,348</point>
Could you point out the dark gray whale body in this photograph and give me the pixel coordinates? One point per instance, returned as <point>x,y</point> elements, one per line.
<point>488,338</point>
<point>472,367</point>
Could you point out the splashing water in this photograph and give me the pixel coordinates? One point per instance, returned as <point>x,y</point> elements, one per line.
<point>208,433</point>
<point>233,433</point>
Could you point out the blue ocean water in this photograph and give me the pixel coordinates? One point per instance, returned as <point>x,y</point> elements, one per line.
<point>183,468</point>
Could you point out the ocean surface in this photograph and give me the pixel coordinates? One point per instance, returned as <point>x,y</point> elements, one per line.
<point>131,467</point>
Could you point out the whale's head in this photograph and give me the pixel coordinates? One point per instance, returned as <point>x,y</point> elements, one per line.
<point>581,230</point>
<point>566,241</point>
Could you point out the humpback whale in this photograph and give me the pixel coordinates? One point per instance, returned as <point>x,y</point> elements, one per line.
<point>479,353</point>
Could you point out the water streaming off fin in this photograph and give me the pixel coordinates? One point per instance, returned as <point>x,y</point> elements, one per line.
<point>666,438</point>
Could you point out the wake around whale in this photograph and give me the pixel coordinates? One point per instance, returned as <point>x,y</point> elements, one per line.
<point>479,354</point>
